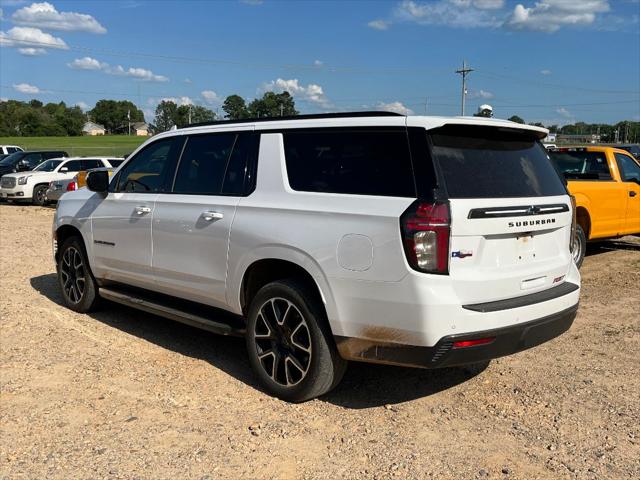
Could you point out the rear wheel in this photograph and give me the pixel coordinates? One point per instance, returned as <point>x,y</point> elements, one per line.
<point>579,246</point>
<point>289,343</point>
<point>79,288</point>
<point>40,195</point>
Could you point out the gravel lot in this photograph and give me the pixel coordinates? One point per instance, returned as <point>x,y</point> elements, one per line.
<point>124,394</point>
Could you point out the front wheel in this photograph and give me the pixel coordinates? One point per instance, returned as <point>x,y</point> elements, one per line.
<point>579,246</point>
<point>289,343</point>
<point>40,195</point>
<point>79,288</point>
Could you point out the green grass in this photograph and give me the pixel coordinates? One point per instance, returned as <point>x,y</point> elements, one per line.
<point>106,145</point>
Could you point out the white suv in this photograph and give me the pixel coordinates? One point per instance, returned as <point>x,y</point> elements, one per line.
<point>32,185</point>
<point>418,241</point>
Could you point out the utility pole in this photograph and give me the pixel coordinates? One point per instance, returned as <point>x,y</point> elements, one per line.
<point>426,100</point>
<point>282,110</point>
<point>189,114</point>
<point>464,71</point>
<point>129,120</point>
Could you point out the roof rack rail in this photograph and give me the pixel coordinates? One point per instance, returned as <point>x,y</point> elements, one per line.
<point>298,117</point>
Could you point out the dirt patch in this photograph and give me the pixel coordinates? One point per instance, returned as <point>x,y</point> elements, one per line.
<point>124,394</point>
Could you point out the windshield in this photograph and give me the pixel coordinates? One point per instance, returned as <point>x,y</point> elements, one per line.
<point>489,162</point>
<point>48,166</point>
<point>11,159</point>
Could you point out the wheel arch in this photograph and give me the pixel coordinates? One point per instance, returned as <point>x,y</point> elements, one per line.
<point>279,264</point>
<point>64,232</point>
<point>584,220</point>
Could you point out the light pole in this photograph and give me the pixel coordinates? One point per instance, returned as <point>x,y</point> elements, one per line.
<point>464,71</point>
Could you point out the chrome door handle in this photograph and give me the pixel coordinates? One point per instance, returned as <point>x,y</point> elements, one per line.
<point>210,215</point>
<point>143,210</point>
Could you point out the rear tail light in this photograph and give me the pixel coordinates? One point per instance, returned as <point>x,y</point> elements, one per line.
<point>426,228</point>
<point>71,186</point>
<point>574,221</point>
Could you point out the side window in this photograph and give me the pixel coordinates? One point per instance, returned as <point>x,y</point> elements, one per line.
<point>33,159</point>
<point>115,162</point>
<point>12,150</point>
<point>372,161</point>
<point>240,167</point>
<point>203,164</point>
<point>88,164</point>
<point>148,170</point>
<point>72,165</point>
<point>629,169</point>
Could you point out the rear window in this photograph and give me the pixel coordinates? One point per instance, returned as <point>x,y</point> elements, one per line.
<point>372,161</point>
<point>489,162</point>
<point>579,164</point>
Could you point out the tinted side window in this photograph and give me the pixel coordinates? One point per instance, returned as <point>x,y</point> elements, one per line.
<point>73,165</point>
<point>148,170</point>
<point>12,149</point>
<point>239,169</point>
<point>115,162</point>
<point>372,161</point>
<point>203,164</point>
<point>33,159</point>
<point>629,169</point>
<point>91,163</point>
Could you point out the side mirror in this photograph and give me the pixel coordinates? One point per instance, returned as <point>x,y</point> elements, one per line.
<point>63,169</point>
<point>23,165</point>
<point>98,181</point>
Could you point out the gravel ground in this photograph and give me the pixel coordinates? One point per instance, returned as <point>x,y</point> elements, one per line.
<point>124,394</point>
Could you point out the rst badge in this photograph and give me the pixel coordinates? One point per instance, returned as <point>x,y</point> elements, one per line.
<point>461,254</point>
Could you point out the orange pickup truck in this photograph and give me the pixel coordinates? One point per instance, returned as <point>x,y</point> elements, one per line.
<point>605,182</point>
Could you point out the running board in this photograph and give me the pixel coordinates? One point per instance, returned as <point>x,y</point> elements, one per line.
<point>156,308</point>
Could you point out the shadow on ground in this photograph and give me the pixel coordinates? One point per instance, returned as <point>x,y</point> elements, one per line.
<point>604,246</point>
<point>363,386</point>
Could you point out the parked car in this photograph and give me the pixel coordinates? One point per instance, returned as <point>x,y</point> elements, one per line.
<point>417,241</point>
<point>59,187</point>
<point>633,149</point>
<point>32,186</point>
<point>9,149</point>
<point>25,161</point>
<point>605,182</point>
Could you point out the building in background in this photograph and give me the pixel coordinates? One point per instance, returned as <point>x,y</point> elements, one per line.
<point>141,129</point>
<point>93,129</point>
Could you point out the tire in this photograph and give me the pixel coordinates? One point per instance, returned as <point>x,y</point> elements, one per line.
<point>290,346</point>
<point>78,286</point>
<point>579,246</point>
<point>40,195</point>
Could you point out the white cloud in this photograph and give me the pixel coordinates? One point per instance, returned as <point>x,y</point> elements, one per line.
<point>397,107</point>
<point>550,15</point>
<point>379,24</point>
<point>210,96</point>
<point>4,99</point>
<point>177,100</point>
<point>318,63</point>
<point>83,106</point>
<point>45,15</point>
<point>312,93</point>
<point>480,94</point>
<point>26,88</point>
<point>88,63</point>
<point>453,13</point>
<point>30,41</point>
<point>188,80</point>
<point>546,71</point>
<point>564,112</point>
<point>479,4</point>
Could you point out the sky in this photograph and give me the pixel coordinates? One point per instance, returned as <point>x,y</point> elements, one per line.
<point>549,61</point>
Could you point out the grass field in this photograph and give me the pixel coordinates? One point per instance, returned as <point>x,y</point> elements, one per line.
<point>106,145</point>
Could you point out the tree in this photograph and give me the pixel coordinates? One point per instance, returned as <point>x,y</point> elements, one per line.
<point>113,114</point>
<point>273,105</point>
<point>516,118</point>
<point>235,107</point>
<point>166,113</point>
<point>198,114</point>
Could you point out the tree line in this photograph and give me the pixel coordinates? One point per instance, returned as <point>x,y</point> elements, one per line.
<point>36,119</point>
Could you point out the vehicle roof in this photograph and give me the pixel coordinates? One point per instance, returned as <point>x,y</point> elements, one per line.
<point>346,120</point>
<point>14,146</point>
<point>593,148</point>
<point>87,158</point>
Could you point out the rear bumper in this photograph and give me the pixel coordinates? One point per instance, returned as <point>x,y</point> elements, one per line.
<point>506,341</point>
